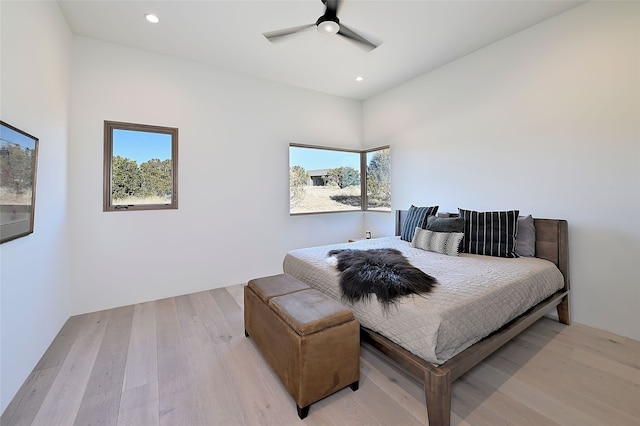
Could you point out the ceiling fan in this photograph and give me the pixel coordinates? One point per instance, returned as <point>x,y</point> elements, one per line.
<point>327,24</point>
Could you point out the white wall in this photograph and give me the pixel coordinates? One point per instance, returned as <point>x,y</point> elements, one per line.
<point>233,220</point>
<point>546,121</point>
<point>34,93</point>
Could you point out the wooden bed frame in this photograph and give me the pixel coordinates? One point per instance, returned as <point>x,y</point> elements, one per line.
<point>552,245</point>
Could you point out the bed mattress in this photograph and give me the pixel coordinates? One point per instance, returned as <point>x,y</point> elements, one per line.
<point>475,295</point>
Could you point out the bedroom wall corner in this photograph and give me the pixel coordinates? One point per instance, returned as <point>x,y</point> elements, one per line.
<point>34,270</point>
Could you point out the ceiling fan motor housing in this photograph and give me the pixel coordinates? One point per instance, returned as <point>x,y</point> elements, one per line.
<point>328,24</point>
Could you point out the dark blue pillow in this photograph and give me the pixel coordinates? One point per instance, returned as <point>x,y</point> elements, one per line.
<point>416,218</point>
<point>490,233</point>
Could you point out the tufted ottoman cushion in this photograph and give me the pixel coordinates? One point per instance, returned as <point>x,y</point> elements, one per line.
<point>309,311</point>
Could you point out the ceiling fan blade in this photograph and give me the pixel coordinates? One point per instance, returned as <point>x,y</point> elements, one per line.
<point>352,35</point>
<point>332,7</point>
<point>287,31</point>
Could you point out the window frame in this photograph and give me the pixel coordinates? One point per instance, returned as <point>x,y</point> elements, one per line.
<point>109,127</point>
<point>363,177</point>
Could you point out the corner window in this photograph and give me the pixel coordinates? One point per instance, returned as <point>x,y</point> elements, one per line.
<point>323,180</point>
<point>140,167</point>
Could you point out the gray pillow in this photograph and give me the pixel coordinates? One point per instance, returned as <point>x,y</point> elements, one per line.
<point>439,242</point>
<point>445,224</point>
<point>526,237</point>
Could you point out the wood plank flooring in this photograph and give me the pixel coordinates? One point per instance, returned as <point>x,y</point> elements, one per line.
<point>185,361</point>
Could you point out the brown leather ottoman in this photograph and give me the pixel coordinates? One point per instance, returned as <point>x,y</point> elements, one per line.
<point>311,341</point>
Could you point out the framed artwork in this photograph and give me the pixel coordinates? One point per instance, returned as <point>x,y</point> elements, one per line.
<point>18,161</point>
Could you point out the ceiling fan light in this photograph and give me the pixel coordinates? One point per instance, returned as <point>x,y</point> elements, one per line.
<point>328,27</point>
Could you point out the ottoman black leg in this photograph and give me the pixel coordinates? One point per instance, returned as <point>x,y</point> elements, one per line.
<point>355,385</point>
<point>303,412</point>
<point>245,333</point>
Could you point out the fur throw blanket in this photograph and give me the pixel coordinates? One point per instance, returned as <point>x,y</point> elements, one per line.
<point>383,272</point>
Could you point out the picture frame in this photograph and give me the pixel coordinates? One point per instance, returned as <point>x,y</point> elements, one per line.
<point>18,165</point>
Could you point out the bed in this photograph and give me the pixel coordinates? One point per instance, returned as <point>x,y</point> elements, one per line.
<point>440,336</point>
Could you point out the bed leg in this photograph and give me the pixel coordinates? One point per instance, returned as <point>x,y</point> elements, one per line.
<point>563,311</point>
<point>437,390</point>
<point>303,412</point>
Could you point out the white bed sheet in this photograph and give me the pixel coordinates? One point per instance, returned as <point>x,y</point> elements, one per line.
<point>475,295</point>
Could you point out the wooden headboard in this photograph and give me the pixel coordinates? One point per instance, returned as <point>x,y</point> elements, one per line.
<point>551,241</point>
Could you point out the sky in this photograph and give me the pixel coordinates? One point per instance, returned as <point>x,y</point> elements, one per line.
<point>141,146</point>
<point>9,135</point>
<point>313,159</point>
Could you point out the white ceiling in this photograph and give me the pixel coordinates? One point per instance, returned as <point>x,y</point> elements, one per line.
<point>417,36</point>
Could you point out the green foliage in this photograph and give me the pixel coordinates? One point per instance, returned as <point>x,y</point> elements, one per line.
<point>298,178</point>
<point>379,179</point>
<point>343,176</point>
<point>156,178</point>
<point>125,178</point>
<point>16,167</point>
<point>152,178</point>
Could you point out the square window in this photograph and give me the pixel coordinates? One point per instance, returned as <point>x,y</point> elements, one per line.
<point>140,167</point>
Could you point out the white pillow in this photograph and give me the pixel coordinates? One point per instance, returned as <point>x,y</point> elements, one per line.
<point>439,242</point>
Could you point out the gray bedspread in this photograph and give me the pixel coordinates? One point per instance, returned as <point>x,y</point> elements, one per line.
<point>475,295</point>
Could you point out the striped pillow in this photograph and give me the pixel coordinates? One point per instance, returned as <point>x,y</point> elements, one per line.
<point>490,233</point>
<point>416,218</point>
<point>440,242</point>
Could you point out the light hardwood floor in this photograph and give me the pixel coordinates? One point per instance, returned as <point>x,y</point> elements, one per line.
<point>185,361</point>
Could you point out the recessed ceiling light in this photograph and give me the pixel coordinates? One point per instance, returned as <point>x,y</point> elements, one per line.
<point>152,18</point>
<point>359,78</point>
